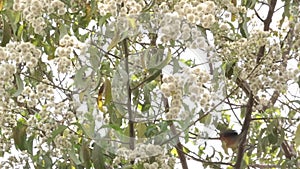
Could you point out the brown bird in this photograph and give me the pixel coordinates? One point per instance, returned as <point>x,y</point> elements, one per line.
<point>231,138</point>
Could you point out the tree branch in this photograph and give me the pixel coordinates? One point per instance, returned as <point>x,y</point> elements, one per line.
<point>179,149</point>
<point>268,20</point>
<point>245,129</point>
<point>267,23</point>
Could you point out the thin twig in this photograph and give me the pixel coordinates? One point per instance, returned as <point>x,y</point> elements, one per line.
<point>130,115</point>
<point>204,161</point>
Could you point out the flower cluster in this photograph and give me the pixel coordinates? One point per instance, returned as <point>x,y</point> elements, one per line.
<point>141,155</point>
<point>19,160</point>
<point>172,27</point>
<point>41,93</point>
<point>180,23</point>
<point>7,119</point>
<point>48,119</point>
<point>174,86</point>
<point>130,7</point>
<point>267,72</point>
<point>12,57</point>
<point>23,52</point>
<point>67,45</point>
<point>63,142</point>
<point>13,54</point>
<point>200,13</point>
<point>232,10</point>
<point>33,11</point>
<point>7,77</point>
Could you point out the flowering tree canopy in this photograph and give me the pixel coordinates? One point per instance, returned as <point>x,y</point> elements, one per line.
<point>149,84</point>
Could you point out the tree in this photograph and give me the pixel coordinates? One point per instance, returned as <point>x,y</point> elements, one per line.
<point>111,84</point>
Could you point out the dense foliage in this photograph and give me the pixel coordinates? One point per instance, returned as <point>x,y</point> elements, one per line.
<point>148,83</point>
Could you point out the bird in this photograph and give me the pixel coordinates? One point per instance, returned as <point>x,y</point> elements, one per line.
<point>230,138</point>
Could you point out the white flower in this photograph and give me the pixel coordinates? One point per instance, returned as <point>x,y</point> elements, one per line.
<point>210,6</point>
<point>194,89</point>
<point>190,17</point>
<point>201,7</point>
<point>165,88</point>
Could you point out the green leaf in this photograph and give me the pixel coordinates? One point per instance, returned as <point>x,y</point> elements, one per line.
<point>243,26</point>
<point>132,22</point>
<point>154,73</point>
<point>63,30</point>
<point>94,57</point>
<point>207,119</point>
<point>19,136</point>
<point>74,157</point>
<point>88,129</point>
<point>249,3</point>
<point>151,57</point>
<point>47,161</point>
<point>20,31</point>
<point>272,137</point>
<point>79,80</point>
<point>7,32</point>
<point>103,19</point>
<point>20,85</point>
<point>140,129</point>
<point>29,144</point>
<point>60,129</point>
<point>50,51</point>
<point>228,68</point>
<point>85,154</point>
<point>176,65</point>
<point>156,70</point>
<point>115,40</point>
<point>8,4</point>
<point>151,130</point>
<point>243,112</point>
<point>98,157</point>
<point>13,18</point>
<point>108,95</point>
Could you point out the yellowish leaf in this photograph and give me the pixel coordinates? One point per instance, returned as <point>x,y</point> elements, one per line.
<point>99,98</point>
<point>1,4</point>
<point>174,152</point>
<point>132,22</point>
<point>141,129</point>
<point>107,91</point>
